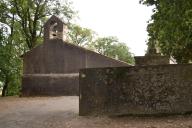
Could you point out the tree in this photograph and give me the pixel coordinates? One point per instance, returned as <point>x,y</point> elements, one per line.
<point>10,64</point>
<point>80,36</point>
<point>104,44</point>
<point>110,46</point>
<point>170,28</point>
<point>121,52</point>
<point>30,15</point>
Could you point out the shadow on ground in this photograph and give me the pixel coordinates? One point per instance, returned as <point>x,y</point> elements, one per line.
<point>62,112</point>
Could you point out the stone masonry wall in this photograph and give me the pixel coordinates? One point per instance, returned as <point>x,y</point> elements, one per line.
<point>136,90</point>
<point>151,60</point>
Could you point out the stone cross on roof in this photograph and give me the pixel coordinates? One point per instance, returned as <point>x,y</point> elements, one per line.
<point>54,28</point>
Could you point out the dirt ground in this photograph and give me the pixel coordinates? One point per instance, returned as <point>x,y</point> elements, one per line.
<point>62,112</point>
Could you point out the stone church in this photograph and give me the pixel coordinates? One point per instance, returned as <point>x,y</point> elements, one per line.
<point>52,68</point>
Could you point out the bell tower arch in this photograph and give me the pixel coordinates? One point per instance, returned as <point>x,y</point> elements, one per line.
<point>54,28</point>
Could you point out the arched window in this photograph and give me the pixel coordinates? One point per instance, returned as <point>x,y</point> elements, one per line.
<point>53,31</point>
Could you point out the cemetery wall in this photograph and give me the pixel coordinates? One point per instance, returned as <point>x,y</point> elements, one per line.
<point>137,90</point>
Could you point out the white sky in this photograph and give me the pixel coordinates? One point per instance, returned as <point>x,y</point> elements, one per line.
<point>125,19</point>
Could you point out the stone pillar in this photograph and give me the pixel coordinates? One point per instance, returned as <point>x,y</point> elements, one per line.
<point>151,58</point>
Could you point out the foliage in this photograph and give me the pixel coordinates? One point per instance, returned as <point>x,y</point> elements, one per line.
<point>110,46</point>
<point>10,65</point>
<point>80,36</point>
<point>30,15</point>
<point>170,28</point>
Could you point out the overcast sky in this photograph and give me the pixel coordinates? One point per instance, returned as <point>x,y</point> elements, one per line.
<point>126,19</point>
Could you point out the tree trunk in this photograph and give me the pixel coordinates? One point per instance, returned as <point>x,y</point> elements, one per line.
<point>5,87</point>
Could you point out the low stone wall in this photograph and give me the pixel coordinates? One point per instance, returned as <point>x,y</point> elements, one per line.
<point>151,60</point>
<point>50,84</point>
<point>136,90</point>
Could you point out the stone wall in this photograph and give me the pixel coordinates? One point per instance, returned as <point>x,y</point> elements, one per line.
<point>47,67</point>
<point>151,60</point>
<point>136,90</point>
<point>50,85</point>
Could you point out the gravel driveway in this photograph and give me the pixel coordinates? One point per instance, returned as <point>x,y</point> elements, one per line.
<point>62,112</point>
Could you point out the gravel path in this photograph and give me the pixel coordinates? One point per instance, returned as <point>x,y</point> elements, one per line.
<point>62,112</point>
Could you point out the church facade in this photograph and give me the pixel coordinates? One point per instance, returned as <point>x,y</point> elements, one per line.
<point>52,68</point>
